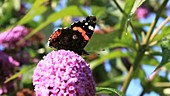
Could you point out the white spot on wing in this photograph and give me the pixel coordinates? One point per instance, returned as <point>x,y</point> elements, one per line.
<point>86,23</point>
<point>72,23</point>
<point>65,27</point>
<point>91,28</point>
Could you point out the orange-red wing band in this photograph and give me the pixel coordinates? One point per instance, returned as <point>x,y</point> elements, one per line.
<point>83,33</point>
<point>55,34</point>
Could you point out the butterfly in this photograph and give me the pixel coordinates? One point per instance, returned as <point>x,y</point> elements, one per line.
<point>75,37</point>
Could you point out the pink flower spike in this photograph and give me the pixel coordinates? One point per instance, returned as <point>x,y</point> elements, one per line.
<point>63,73</point>
<point>10,37</point>
<point>142,12</point>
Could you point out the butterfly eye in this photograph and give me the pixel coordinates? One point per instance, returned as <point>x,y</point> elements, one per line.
<point>87,18</point>
<point>91,18</point>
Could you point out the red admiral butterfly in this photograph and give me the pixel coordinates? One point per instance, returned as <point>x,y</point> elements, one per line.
<point>75,37</point>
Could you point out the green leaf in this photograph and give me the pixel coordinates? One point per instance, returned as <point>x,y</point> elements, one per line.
<point>129,5</point>
<point>165,45</point>
<point>165,42</point>
<point>17,4</point>
<point>165,32</point>
<point>127,39</point>
<point>27,76</point>
<point>136,5</point>
<point>38,8</point>
<point>99,41</point>
<point>129,9</point>
<point>165,58</point>
<point>22,71</point>
<point>149,60</point>
<point>103,90</point>
<point>98,10</point>
<point>111,55</point>
<point>117,79</point>
<point>110,40</point>
<point>68,11</point>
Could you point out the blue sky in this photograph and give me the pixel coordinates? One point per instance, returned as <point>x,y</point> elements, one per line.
<point>135,83</point>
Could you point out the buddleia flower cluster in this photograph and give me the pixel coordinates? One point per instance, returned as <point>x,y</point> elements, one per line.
<point>63,73</point>
<point>13,54</point>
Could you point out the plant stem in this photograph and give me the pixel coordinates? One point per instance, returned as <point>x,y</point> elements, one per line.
<point>138,57</point>
<point>142,49</point>
<point>127,80</point>
<point>122,11</point>
<point>148,35</point>
<point>133,68</point>
<point>159,28</point>
<point>118,6</point>
<point>135,32</point>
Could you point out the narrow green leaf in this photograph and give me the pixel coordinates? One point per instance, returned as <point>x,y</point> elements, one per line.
<point>117,79</point>
<point>110,40</point>
<point>36,30</point>
<point>38,3</point>
<point>99,41</point>
<point>17,4</point>
<point>68,11</point>
<point>127,36</point>
<point>136,5</point>
<point>165,32</point>
<point>129,10</point>
<point>165,58</point>
<point>98,10</point>
<point>111,55</point>
<point>103,90</point>
<point>165,42</point>
<point>65,12</point>
<point>27,76</point>
<point>22,71</point>
<point>150,60</point>
<point>129,5</point>
<point>165,45</point>
<point>38,8</point>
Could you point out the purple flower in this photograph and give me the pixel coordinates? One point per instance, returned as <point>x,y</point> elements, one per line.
<point>142,12</point>
<point>11,37</point>
<point>23,56</point>
<point>7,65</point>
<point>63,73</point>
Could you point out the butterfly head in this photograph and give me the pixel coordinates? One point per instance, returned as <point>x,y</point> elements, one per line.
<point>91,19</point>
<point>89,25</point>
